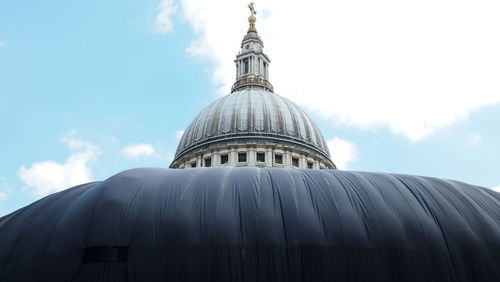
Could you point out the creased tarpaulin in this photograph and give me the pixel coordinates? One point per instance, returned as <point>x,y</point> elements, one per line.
<point>256,224</point>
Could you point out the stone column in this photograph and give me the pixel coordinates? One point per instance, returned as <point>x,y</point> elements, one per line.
<point>216,159</point>
<point>261,67</point>
<point>232,157</point>
<point>251,157</point>
<point>255,66</point>
<point>269,157</point>
<point>302,161</point>
<point>288,159</point>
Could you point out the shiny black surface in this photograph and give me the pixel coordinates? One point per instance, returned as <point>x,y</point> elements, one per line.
<point>256,224</point>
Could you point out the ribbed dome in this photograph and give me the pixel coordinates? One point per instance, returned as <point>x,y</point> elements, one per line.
<point>249,114</point>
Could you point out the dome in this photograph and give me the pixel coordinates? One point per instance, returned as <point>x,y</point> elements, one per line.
<point>252,114</point>
<point>252,126</point>
<point>249,224</point>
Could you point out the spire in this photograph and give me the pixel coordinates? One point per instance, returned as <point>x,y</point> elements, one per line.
<point>252,19</point>
<point>252,65</point>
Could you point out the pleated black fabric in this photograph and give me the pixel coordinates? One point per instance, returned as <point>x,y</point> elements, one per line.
<point>256,224</point>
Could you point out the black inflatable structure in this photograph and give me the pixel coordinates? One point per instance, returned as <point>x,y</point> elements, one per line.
<point>256,224</point>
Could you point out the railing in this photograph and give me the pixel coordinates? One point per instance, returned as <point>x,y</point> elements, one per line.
<point>252,81</point>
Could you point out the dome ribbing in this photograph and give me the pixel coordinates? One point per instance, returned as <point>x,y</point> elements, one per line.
<point>252,114</point>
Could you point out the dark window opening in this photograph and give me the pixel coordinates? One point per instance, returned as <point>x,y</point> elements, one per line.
<point>208,162</point>
<point>246,65</point>
<point>278,159</point>
<point>309,165</point>
<point>295,162</point>
<point>242,157</point>
<point>106,254</point>
<point>261,157</point>
<point>223,159</point>
<point>193,164</point>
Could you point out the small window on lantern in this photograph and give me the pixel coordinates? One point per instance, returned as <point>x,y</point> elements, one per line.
<point>246,65</point>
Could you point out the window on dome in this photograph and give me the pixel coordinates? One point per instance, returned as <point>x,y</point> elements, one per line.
<point>193,164</point>
<point>295,162</point>
<point>309,165</point>
<point>223,159</point>
<point>261,157</point>
<point>278,159</point>
<point>208,162</point>
<point>242,157</point>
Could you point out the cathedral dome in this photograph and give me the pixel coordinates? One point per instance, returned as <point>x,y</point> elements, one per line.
<point>252,126</point>
<point>252,115</point>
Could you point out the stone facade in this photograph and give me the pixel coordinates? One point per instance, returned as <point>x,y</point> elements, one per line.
<point>254,154</point>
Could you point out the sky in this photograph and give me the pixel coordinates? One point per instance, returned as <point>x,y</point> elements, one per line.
<point>91,88</point>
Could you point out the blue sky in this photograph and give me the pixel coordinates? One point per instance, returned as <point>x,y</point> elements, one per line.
<point>82,81</point>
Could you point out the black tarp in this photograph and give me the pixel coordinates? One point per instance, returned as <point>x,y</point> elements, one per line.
<point>256,224</point>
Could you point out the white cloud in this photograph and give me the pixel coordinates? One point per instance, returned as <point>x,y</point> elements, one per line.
<point>138,150</point>
<point>3,43</point>
<point>497,189</point>
<point>178,134</point>
<point>412,67</point>
<point>50,176</point>
<point>342,152</point>
<point>3,196</point>
<point>163,21</point>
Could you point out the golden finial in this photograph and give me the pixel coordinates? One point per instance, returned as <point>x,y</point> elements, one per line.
<point>252,19</point>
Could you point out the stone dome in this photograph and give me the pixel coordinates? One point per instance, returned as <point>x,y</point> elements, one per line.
<point>252,126</point>
<point>252,115</point>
